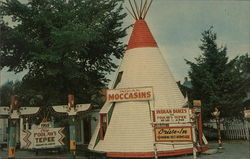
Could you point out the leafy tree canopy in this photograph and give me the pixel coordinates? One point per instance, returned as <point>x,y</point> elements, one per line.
<point>216,80</point>
<point>67,46</point>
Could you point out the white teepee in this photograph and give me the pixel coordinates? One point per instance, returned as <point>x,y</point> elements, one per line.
<point>129,131</point>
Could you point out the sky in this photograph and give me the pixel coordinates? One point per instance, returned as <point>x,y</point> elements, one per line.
<point>177,25</point>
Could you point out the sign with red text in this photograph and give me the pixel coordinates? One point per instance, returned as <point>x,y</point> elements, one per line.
<point>129,94</point>
<point>168,116</point>
<point>173,134</point>
<point>43,137</point>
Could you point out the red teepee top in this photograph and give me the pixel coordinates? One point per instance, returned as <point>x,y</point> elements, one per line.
<point>141,36</point>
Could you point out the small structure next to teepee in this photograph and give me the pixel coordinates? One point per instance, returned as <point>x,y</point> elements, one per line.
<point>144,114</point>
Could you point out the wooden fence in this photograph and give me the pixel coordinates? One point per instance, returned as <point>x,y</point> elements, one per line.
<point>231,130</point>
<point>237,130</point>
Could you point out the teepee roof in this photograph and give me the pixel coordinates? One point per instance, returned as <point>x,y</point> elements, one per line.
<point>141,36</point>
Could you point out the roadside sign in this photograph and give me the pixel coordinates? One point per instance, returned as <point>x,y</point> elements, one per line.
<point>247,113</point>
<point>129,94</point>
<point>173,134</point>
<point>197,109</point>
<point>43,137</point>
<point>168,116</point>
<point>196,103</point>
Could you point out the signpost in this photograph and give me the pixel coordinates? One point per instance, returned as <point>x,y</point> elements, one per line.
<point>44,137</point>
<point>247,114</point>
<point>197,109</point>
<point>14,112</point>
<point>178,115</point>
<point>173,134</point>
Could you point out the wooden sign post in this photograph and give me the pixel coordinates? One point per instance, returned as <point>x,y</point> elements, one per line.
<point>45,136</point>
<point>172,134</point>
<point>197,108</point>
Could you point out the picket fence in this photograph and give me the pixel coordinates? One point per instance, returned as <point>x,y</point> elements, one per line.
<point>232,130</point>
<point>237,130</point>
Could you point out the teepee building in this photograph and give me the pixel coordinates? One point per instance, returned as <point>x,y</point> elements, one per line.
<point>125,128</point>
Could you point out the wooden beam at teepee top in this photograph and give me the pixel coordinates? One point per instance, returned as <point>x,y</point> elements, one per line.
<point>133,10</point>
<point>144,8</point>
<point>147,9</point>
<point>139,10</point>
<point>131,13</point>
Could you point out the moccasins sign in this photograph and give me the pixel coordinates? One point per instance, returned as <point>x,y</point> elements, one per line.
<point>129,94</point>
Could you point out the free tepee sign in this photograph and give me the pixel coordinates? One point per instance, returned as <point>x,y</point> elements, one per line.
<point>43,137</point>
<point>129,94</point>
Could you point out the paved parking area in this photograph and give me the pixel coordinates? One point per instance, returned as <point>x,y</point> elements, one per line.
<point>231,150</point>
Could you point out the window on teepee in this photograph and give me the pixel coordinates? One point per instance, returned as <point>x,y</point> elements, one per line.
<point>103,125</point>
<point>118,79</point>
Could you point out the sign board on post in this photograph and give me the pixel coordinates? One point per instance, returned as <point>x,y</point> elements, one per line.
<point>173,134</point>
<point>247,113</point>
<point>129,94</point>
<point>196,103</point>
<point>43,137</point>
<point>167,116</point>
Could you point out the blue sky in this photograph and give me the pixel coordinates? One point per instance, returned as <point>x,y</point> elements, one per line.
<point>177,26</point>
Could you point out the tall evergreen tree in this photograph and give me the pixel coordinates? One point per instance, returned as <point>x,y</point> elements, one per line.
<point>243,66</point>
<point>67,46</point>
<point>216,81</point>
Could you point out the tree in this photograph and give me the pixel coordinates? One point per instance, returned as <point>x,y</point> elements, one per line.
<point>6,90</point>
<point>67,46</point>
<point>215,79</point>
<point>27,97</point>
<point>243,66</point>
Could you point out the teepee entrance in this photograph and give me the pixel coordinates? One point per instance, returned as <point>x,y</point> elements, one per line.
<point>145,114</point>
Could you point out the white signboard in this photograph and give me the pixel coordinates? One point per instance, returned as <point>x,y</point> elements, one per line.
<point>129,94</point>
<point>173,134</point>
<point>43,137</point>
<point>167,116</point>
<point>247,113</point>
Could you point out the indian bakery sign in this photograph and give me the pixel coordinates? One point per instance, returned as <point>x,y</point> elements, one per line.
<point>168,116</point>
